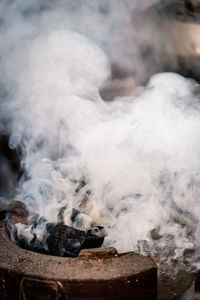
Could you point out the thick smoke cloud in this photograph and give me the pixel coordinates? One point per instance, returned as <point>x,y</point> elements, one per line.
<point>138,155</point>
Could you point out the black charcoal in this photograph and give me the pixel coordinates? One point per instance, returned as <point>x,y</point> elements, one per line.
<point>82,183</point>
<point>64,240</point>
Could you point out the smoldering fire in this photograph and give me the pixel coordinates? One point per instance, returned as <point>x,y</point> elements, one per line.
<point>139,155</point>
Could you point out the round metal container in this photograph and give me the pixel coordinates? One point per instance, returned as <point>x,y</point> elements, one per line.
<point>96,274</point>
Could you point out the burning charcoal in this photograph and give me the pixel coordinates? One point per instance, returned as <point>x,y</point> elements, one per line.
<point>82,183</point>
<point>17,212</point>
<point>92,241</point>
<point>61,214</point>
<point>41,220</point>
<point>37,245</point>
<point>21,231</point>
<point>154,234</point>
<point>75,213</point>
<point>23,243</point>
<point>57,239</point>
<point>97,231</point>
<point>29,235</point>
<point>34,245</point>
<point>50,226</point>
<point>36,219</point>
<point>88,192</point>
<point>82,221</point>
<point>67,241</point>
<point>32,237</point>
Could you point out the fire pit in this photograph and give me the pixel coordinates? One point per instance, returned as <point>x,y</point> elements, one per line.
<point>96,274</point>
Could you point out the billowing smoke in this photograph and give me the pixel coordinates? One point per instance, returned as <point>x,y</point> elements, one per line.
<point>131,165</point>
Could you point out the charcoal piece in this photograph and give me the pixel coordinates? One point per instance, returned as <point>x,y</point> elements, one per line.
<point>92,241</point>
<point>79,221</point>
<point>88,192</point>
<point>23,243</point>
<point>64,240</point>
<point>38,245</point>
<point>74,214</point>
<point>36,220</point>
<point>60,215</point>
<point>82,183</point>
<point>50,226</point>
<point>34,245</point>
<point>70,248</point>
<point>154,233</point>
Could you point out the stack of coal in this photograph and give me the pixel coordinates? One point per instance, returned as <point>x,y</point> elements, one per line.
<point>55,238</point>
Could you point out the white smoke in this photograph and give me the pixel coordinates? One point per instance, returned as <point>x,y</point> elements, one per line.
<point>138,155</point>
